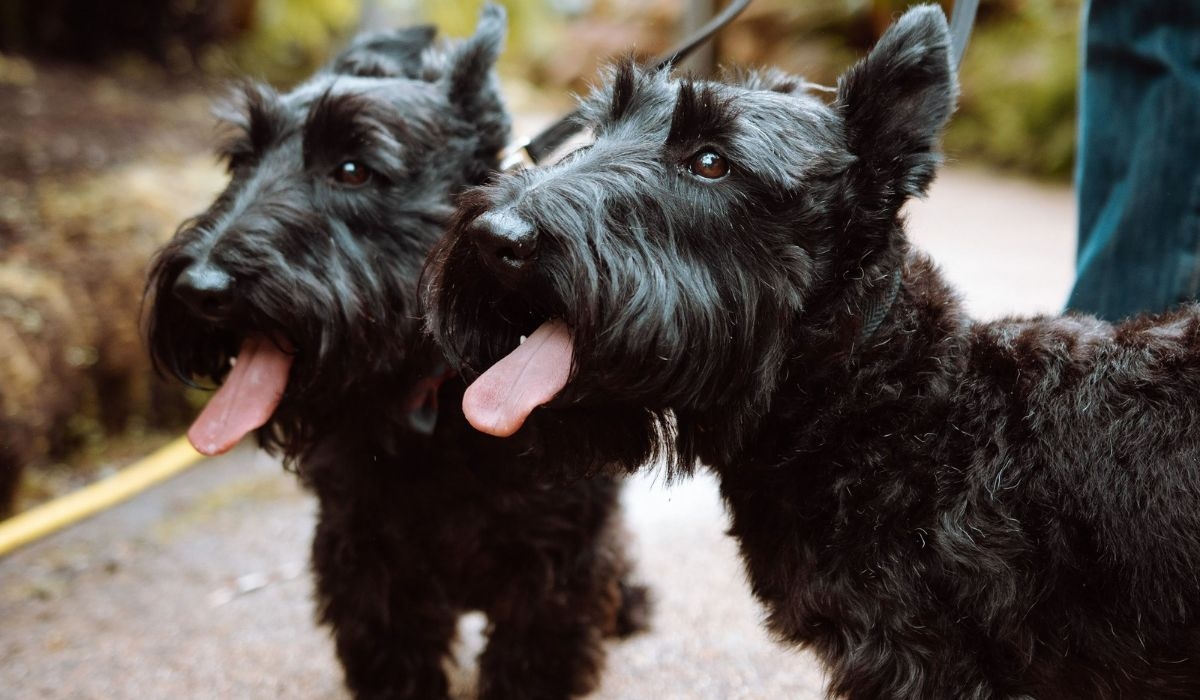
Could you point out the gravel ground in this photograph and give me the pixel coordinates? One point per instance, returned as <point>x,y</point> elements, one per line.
<point>198,588</point>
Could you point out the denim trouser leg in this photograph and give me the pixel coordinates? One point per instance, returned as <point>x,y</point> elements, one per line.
<point>1138,170</point>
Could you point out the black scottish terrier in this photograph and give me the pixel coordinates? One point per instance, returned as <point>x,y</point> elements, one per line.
<point>303,276</point>
<point>939,508</point>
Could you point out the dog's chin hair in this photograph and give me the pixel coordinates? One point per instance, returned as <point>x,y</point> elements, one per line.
<point>616,381</point>
<point>180,346</point>
<point>582,441</point>
<point>708,345</point>
<point>474,335</point>
<point>189,349</point>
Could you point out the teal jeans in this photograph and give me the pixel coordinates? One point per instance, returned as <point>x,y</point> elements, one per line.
<point>1138,166</point>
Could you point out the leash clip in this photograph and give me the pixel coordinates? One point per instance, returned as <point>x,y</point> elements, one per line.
<point>516,157</point>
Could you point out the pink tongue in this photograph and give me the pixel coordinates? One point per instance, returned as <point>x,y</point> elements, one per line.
<point>501,399</point>
<point>247,398</point>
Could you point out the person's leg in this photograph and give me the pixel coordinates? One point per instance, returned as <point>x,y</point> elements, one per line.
<point>1138,168</point>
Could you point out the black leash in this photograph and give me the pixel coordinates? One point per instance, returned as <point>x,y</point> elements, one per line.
<point>536,149</point>
<point>962,21</point>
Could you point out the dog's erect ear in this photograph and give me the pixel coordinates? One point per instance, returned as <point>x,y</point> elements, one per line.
<point>469,79</point>
<point>895,103</point>
<point>394,54</point>
<point>471,85</point>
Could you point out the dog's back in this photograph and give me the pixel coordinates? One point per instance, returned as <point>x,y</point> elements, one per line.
<point>1095,429</point>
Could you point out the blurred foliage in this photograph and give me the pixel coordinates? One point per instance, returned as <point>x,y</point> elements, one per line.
<point>559,45</point>
<point>1019,85</point>
<point>165,30</point>
<point>531,28</point>
<point>288,39</point>
<point>1018,80</point>
<point>1017,107</point>
<point>280,40</point>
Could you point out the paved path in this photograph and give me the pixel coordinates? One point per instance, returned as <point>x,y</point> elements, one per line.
<point>198,588</point>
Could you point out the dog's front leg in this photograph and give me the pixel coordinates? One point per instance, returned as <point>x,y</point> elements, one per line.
<point>546,640</point>
<point>392,626</point>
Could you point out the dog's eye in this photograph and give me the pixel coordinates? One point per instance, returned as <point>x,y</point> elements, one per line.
<point>351,174</point>
<point>708,165</point>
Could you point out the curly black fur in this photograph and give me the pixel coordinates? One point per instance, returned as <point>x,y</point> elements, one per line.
<point>415,526</point>
<point>939,508</point>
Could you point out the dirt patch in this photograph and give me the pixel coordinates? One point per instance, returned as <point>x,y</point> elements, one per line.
<point>97,169</point>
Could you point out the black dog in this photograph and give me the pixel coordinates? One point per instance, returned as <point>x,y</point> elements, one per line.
<point>939,508</point>
<point>305,271</point>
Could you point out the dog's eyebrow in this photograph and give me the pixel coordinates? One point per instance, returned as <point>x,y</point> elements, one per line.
<point>345,122</point>
<point>332,118</point>
<point>699,115</point>
<point>343,119</point>
<point>263,113</point>
<point>253,118</point>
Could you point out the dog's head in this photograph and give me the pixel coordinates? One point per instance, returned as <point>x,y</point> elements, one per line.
<point>302,275</point>
<point>661,273</point>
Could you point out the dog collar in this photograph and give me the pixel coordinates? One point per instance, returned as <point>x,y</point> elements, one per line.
<point>962,20</point>
<point>877,307</point>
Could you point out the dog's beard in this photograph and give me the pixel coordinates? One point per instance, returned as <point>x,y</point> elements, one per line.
<point>278,364</point>
<point>638,348</point>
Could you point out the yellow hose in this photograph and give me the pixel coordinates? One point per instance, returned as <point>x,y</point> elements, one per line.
<point>69,509</point>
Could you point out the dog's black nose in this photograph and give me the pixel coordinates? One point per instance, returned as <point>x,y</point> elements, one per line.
<point>207,290</point>
<point>506,241</point>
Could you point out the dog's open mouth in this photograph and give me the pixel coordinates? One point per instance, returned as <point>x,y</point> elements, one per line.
<point>247,397</point>
<point>501,399</point>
